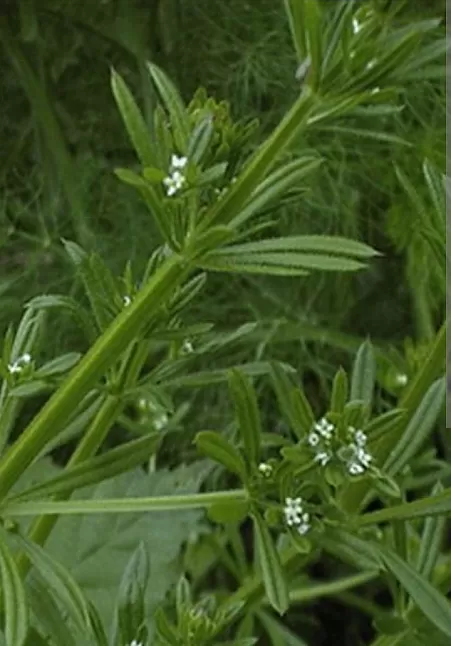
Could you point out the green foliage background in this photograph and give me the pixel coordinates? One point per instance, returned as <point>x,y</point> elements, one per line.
<point>62,137</point>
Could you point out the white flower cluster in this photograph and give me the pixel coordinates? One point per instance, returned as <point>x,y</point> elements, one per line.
<point>360,459</point>
<point>319,439</point>
<point>265,469</point>
<point>136,643</point>
<point>326,444</point>
<point>19,364</point>
<point>176,179</point>
<point>295,516</point>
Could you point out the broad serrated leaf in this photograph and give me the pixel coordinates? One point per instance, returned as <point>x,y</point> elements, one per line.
<point>97,563</point>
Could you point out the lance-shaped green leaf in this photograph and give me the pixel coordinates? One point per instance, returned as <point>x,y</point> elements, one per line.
<point>431,540</point>
<point>13,597</point>
<point>59,365</point>
<point>151,198</point>
<point>292,402</point>
<point>363,375</point>
<point>418,428</point>
<point>339,392</point>
<point>216,447</point>
<point>60,582</point>
<point>133,120</point>
<point>200,139</point>
<point>293,9</point>
<point>305,19</point>
<point>130,609</point>
<point>97,469</point>
<point>430,601</point>
<point>56,301</point>
<point>350,548</point>
<point>272,572</point>
<point>292,256</point>
<point>276,185</point>
<point>436,505</point>
<point>46,608</point>
<point>246,408</point>
<point>174,106</point>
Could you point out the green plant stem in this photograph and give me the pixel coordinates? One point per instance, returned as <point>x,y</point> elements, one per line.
<point>331,588</point>
<point>89,444</point>
<point>123,505</point>
<point>102,355</point>
<point>227,208</point>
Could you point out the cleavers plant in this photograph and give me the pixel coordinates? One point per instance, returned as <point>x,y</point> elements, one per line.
<point>307,491</point>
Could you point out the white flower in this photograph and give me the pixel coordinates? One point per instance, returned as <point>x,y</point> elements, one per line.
<point>178,162</point>
<point>295,516</point>
<point>174,182</point>
<point>360,438</point>
<point>375,90</point>
<point>304,525</point>
<point>126,300</point>
<point>187,347</point>
<point>364,457</point>
<point>18,365</point>
<point>293,510</point>
<point>313,439</point>
<point>323,458</point>
<point>401,380</point>
<point>265,469</point>
<point>136,643</point>
<point>160,421</point>
<point>355,469</point>
<point>371,64</point>
<point>356,26</point>
<point>324,428</point>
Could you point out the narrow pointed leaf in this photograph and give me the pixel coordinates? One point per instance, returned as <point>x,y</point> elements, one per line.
<point>216,447</point>
<point>173,104</point>
<point>60,582</point>
<point>272,572</point>
<point>248,415</point>
<point>133,120</point>
<point>13,598</point>
<point>97,469</point>
<point>432,603</point>
<point>363,375</point>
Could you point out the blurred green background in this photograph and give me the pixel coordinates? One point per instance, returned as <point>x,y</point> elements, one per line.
<point>62,138</point>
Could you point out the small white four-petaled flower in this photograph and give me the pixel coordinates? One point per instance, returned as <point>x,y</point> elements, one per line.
<point>175,180</point>
<point>295,516</point>
<point>136,643</point>
<point>265,469</point>
<point>19,364</point>
<point>361,459</point>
